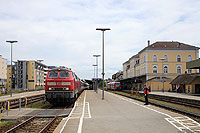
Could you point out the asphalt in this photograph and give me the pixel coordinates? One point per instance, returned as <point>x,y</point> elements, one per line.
<point>117,114</point>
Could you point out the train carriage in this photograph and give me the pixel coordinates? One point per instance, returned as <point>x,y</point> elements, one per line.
<point>114,85</point>
<point>61,86</point>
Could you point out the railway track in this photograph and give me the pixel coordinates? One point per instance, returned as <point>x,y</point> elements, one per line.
<point>36,124</point>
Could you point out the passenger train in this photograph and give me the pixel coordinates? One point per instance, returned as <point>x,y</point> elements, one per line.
<point>114,86</point>
<point>62,86</point>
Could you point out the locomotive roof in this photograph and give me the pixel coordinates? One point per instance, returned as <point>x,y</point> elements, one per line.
<point>60,69</point>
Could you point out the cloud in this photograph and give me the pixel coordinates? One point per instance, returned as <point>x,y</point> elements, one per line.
<point>62,32</point>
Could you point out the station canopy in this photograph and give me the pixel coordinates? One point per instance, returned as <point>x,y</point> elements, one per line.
<point>195,64</point>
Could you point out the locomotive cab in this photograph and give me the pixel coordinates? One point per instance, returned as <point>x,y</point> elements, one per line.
<point>61,86</point>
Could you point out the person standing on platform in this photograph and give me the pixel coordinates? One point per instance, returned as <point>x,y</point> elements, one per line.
<point>146,93</point>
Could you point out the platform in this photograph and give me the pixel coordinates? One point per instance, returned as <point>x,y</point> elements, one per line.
<point>178,95</point>
<point>171,94</point>
<point>117,114</point>
<point>14,114</point>
<point>20,95</point>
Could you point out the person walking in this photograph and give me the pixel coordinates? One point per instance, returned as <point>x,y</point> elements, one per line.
<point>146,93</point>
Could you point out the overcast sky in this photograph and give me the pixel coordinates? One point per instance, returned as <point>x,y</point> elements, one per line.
<point>62,32</point>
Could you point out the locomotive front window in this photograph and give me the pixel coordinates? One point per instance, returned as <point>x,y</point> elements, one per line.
<point>53,74</point>
<point>117,84</point>
<point>64,74</point>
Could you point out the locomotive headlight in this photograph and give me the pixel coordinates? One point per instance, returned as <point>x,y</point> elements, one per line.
<point>49,88</point>
<point>67,88</point>
<point>66,83</point>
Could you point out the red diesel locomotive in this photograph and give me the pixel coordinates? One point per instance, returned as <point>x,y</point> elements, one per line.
<point>61,86</point>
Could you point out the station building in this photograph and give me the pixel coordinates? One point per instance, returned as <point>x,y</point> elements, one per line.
<point>3,72</point>
<point>157,64</point>
<point>117,76</point>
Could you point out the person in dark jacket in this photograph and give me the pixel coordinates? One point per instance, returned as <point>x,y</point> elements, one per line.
<point>146,93</point>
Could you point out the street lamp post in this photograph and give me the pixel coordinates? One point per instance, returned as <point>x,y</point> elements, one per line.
<point>162,59</point>
<point>94,77</point>
<point>11,42</point>
<point>96,70</point>
<point>103,29</point>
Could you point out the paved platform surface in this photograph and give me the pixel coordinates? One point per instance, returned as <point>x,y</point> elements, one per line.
<point>117,114</point>
<point>179,95</point>
<point>23,94</point>
<point>172,94</point>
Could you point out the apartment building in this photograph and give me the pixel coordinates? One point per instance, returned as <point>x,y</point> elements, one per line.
<point>30,74</point>
<point>3,72</point>
<point>159,62</point>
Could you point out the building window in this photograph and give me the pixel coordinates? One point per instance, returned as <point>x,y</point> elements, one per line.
<point>165,58</point>
<point>189,57</point>
<point>32,77</point>
<point>178,58</point>
<point>189,70</point>
<point>165,68</point>
<point>155,68</point>
<point>154,58</point>
<point>178,68</point>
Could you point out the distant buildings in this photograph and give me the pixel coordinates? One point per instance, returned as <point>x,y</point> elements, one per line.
<point>3,72</point>
<point>158,60</point>
<point>30,74</point>
<point>27,75</point>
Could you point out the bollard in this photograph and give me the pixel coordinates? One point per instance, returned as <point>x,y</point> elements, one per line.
<point>131,91</point>
<point>1,112</point>
<point>136,93</point>
<point>8,107</point>
<point>20,104</point>
<point>26,101</point>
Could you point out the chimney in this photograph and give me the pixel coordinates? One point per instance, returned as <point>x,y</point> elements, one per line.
<point>148,42</point>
